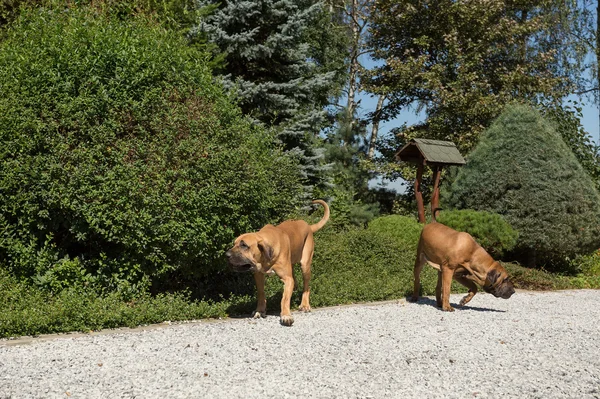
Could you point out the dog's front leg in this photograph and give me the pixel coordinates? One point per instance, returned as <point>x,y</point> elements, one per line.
<point>261,305</point>
<point>438,290</point>
<point>470,285</point>
<point>446,277</point>
<point>288,288</point>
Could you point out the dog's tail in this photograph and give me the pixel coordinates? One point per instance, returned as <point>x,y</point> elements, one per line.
<point>318,226</point>
<point>436,210</point>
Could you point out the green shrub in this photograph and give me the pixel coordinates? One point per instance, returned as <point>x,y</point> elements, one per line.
<point>588,265</point>
<point>122,162</point>
<point>523,170</point>
<point>361,265</point>
<point>354,265</point>
<point>176,14</point>
<point>490,230</point>
<point>404,229</point>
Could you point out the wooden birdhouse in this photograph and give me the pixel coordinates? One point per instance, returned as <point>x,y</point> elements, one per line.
<point>433,153</point>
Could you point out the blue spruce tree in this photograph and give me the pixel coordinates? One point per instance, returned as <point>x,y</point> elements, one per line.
<point>285,60</point>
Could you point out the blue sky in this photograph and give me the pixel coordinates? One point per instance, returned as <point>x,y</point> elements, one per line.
<point>368,104</point>
<point>590,119</point>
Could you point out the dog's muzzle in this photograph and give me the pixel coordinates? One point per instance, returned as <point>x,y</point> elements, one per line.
<point>503,291</point>
<point>240,263</point>
<point>507,292</point>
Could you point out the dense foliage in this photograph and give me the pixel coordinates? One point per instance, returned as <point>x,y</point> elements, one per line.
<point>463,61</point>
<point>490,230</point>
<point>523,170</point>
<point>121,160</point>
<point>588,265</point>
<point>356,265</point>
<point>179,15</point>
<point>126,170</point>
<point>567,121</point>
<point>368,264</point>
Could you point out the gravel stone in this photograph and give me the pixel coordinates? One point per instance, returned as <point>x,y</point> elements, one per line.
<point>534,345</point>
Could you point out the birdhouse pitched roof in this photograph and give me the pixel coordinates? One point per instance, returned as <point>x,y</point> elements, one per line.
<point>432,151</point>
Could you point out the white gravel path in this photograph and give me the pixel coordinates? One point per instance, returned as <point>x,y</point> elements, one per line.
<point>534,345</point>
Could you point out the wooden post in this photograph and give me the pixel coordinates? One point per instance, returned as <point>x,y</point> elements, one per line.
<point>419,194</point>
<point>435,196</point>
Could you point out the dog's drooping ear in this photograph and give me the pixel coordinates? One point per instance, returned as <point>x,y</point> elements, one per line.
<point>492,276</point>
<point>266,250</point>
<point>490,280</point>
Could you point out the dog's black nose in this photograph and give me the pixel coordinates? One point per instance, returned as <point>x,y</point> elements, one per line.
<point>228,254</point>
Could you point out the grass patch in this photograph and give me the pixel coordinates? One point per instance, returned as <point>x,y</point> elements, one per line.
<point>352,266</point>
<point>27,310</point>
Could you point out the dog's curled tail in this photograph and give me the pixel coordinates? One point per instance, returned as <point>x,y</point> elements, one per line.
<point>318,226</point>
<point>436,210</point>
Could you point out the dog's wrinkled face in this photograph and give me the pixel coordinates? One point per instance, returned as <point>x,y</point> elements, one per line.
<point>498,283</point>
<point>247,254</point>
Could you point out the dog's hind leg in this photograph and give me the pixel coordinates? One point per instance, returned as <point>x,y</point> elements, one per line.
<point>261,305</point>
<point>470,285</point>
<point>419,263</point>
<point>305,263</point>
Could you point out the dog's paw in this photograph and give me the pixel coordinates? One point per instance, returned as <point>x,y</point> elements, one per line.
<point>466,299</point>
<point>304,309</point>
<point>447,308</point>
<point>413,299</point>
<point>286,320</point>
<point>258,314</point>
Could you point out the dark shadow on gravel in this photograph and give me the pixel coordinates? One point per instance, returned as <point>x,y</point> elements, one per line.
<point>248,315</point>
<point>432,302</point>
<point>246,308</point>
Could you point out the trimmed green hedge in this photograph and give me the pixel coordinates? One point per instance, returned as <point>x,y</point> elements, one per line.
<point>355,265</point>
<point>489,229</point>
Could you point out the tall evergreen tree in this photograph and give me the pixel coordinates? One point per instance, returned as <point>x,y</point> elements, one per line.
<point>283,58</point>
<point>347,147</point>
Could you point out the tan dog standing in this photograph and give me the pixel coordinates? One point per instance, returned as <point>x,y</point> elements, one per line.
<point>274,249</point>
<point>457,255</point>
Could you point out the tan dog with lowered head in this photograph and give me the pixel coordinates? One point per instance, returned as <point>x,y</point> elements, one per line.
<point>274,249</point>
<point>456,255</point>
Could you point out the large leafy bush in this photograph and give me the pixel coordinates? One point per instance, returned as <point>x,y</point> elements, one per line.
<point>121,160</point>
<point>524,171</point>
